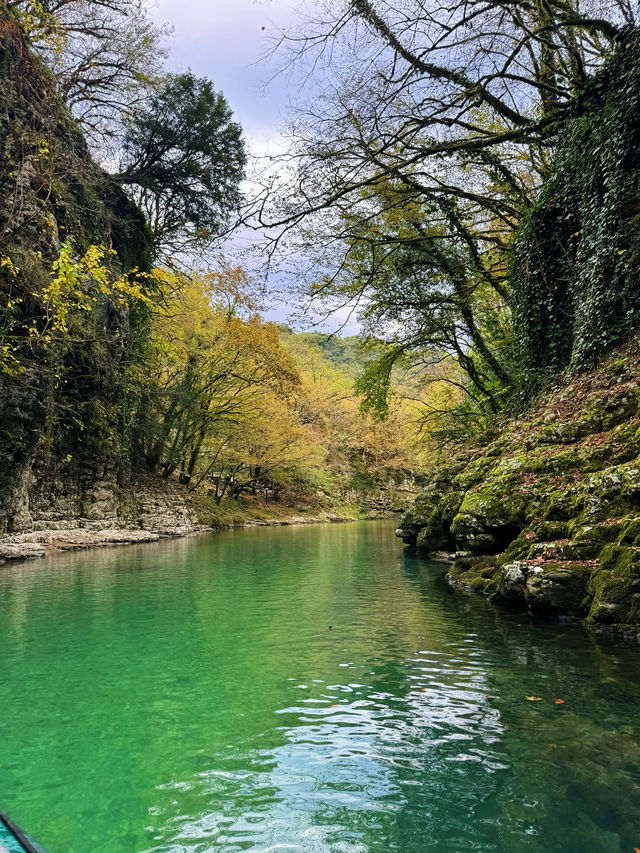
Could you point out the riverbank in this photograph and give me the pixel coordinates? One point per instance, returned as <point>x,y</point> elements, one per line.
<point>542,512</point>
<point>93,509</point>
<point>44,543</point>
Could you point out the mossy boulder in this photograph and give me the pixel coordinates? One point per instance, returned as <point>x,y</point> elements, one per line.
<point>545,514</point>
<point>558,587</point>
<point>427,524</point>
<point>615,586</point>
<point>491,515</point>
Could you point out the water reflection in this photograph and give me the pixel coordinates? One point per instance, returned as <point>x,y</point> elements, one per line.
<point>190,696</point>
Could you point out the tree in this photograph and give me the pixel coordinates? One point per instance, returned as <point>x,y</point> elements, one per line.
<point>268,452</point>
<point>207,373</point>
<point>361,452</point>
<point>412,168</point>
<point>104,56</point>
<point>425,280</point>
<point>183,159</point>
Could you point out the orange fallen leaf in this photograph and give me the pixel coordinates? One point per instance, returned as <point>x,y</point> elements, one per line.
<point>529,535</point>
<point>534,698</point>
<point>561,702</point>
<point>635,849</point>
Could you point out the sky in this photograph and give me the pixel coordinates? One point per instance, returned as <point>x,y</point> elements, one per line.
<point>228,41</point>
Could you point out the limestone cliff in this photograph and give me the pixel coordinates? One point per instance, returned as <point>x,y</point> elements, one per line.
<point>65,461</point>
<point>543,511</point>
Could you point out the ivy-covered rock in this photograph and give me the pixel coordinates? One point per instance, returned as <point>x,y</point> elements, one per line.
<point>575,275</point>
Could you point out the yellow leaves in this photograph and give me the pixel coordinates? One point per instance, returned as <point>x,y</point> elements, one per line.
<point>212,351</point>
<point>231,289</point>
<point>257,398</point>
<point>540,699</point>
<point>206,316</point>
<point>7,264</point>
<point>42,149</point>
<point>76,286</point>
<point>9,364</point>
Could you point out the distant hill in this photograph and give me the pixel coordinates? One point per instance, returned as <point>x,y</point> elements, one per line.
<point>347,355</point>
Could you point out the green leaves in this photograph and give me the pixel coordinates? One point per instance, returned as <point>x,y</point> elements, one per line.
<point>183,157</point>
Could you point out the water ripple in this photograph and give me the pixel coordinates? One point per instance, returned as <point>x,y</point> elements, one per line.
<point>189,697</point>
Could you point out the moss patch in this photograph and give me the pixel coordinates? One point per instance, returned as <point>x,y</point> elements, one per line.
<point>545,513</point>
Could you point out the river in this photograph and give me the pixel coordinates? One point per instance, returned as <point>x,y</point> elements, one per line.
<point>311,688</point>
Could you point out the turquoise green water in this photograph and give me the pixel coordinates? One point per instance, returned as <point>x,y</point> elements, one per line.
<point>190,696</point>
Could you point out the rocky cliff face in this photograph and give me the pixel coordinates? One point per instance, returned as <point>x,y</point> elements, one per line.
<point>388,496</point>
<point>544,511</point>
<point>90,507</point>
<point>64,462</point>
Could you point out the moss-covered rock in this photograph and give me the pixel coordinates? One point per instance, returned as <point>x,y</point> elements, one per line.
<point>558,587</point>
<point>491,514</point>
<point>545,515</point>
<point>427,524</point>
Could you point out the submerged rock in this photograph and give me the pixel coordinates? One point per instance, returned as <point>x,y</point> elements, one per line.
<point>20,550</point>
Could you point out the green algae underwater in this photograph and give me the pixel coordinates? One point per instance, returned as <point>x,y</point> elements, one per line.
<point>190,696</point>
